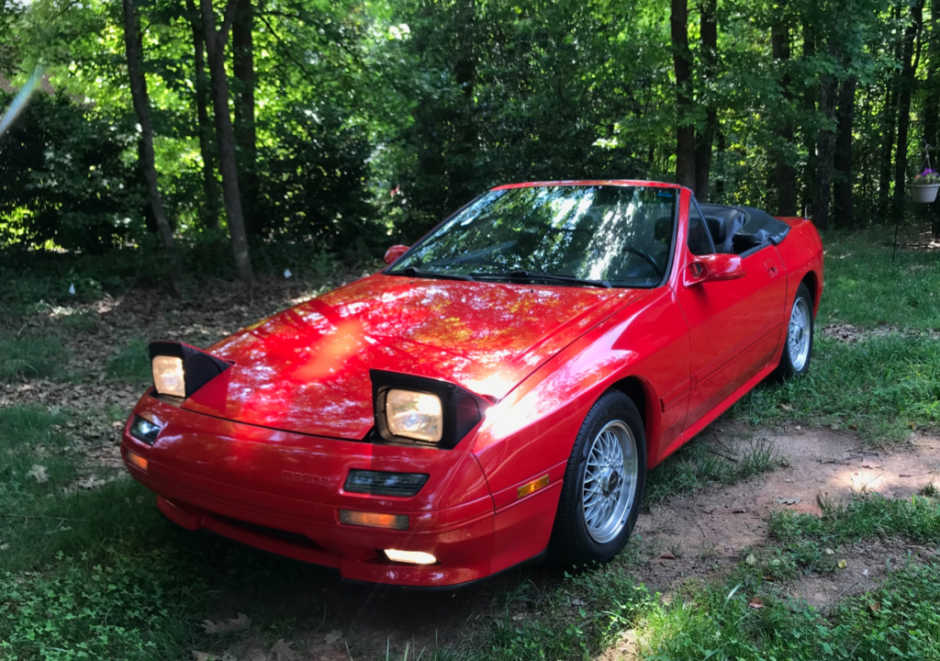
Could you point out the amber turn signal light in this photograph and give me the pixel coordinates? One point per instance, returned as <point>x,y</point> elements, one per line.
<point>136,460</point>
<point>374,520</point>
<point>532,487</point>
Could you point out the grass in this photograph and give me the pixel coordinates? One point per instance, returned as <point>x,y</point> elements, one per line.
<point>131,363</point>
<point>864,287</point>
<point>700,464</point>
<point>883,387</point>
<point>31,356</point>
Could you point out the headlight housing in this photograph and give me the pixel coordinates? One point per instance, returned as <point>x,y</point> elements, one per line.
<point>415,409</point>
<point>179,370</point>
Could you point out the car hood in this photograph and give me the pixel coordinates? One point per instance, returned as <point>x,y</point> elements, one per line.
<point>306,369</point>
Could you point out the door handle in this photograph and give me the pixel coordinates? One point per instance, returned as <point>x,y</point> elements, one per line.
<point>771,267</point>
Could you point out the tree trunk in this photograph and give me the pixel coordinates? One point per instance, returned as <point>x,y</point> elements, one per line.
<point>888,126</point>
<point>784,172</point>
<point>706,137</point>
<point>225,135</point>
<point>245,136</point>
<point>138,85</point>
<point>906,88</point>
<point>825,147</point>
<point>932,108</point>
<point>685,127</point>
<point>809,110</point>
<point>842,189</point>
<point>210,211</point>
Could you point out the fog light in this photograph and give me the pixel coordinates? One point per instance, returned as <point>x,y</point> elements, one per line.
<point>374,520</point>
<point>144,430</point>
<point>136,460</point>
<point>410,557</point>
<point>381,483</point>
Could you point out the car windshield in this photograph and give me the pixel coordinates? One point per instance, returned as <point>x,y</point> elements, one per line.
<point>618,236</point>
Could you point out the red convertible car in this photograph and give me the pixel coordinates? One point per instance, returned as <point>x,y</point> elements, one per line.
<point>496,394</point>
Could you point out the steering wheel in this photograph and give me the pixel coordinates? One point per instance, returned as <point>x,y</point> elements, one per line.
<point>645,256</point>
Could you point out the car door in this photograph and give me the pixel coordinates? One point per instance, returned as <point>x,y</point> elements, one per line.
<point>734,325</point>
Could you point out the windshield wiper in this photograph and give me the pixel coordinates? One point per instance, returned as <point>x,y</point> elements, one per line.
<point>418,273</point>
<point>521,274</point>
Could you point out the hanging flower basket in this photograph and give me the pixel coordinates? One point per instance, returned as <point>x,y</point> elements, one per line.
<point>925,186</point>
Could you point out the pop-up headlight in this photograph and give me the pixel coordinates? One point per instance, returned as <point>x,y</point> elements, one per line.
<point>179,370</point>
<point>412,409</point>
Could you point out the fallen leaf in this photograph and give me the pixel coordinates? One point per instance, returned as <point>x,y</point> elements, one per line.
<point>4,546</point>
<point>239,623</point>
<point>332,637</point>
<point>751,560</point>
<point>842,564</point>
<point>38,473</point>
<point>516,618</point>
<point>786,407</point>
<point>283,652</point>
<point>829,551</point>
<point>755,602</point>
<point>668,556</point>
<point>853,427</point>
<point>874,607</point>
<point>788,501</point>
<point>578,602</point>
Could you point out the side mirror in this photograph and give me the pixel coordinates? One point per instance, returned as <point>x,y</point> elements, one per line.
<point>712,268</point>
<point>393,253</point>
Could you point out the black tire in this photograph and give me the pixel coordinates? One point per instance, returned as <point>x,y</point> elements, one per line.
<point>791,366</point>
<point>571,542</point>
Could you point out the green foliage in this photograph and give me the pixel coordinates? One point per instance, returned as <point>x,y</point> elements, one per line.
<point>63,178</point>
<point>31,356</point>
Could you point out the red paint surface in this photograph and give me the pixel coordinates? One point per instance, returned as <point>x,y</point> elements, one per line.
<point>271,440</point>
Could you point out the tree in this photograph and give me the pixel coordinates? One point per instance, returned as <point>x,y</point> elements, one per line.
<point>210,210</point>
<point>932,104</point>
<point>842,188</point>
<point>685,124</point>
<point>138,85</point>
<point>215,47</point>
<point>784,172</point>
<point>245,135</point>
<point>704,139</point>
<point>906,86</point>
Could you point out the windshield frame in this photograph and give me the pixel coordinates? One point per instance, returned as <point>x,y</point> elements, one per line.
<point>667,270</point>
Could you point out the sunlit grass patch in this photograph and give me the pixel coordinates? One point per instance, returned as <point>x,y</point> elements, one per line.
<point>880,386</point>
<point>31,356</point>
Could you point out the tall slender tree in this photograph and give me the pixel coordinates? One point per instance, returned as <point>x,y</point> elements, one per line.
<point>685,124</point>
<point>210,210</point>
<point>906,85</point>
<point>842,188</point>
<point>810,93</point>
<point>705,137</point>
<point>243,68</point>
<point>134,48</point>
<point>225,136</point>
<point>784,172</point>
<point>932,106</point>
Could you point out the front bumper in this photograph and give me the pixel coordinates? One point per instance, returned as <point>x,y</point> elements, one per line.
<point>229,478</point>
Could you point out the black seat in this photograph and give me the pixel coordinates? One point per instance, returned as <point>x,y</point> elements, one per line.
<point>723,223</point>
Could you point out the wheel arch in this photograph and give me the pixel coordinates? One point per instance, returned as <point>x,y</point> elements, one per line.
<point>811,280</point>
<point>643,395</point>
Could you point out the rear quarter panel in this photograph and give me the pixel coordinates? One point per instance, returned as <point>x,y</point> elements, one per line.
<point>802,254</point>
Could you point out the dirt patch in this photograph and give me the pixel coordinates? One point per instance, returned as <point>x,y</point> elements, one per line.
<point>849,333</point>
<point>867,564</point>
<point>698,534</point>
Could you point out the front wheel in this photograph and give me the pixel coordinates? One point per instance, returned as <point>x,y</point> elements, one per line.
<point>798,346</point>
<point>603,484</point>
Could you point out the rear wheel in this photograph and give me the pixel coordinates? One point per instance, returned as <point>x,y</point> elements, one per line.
<point>798,346</point>
<point>603,484</point>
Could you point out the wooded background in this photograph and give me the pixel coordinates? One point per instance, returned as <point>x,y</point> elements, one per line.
<point>174,128</point>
